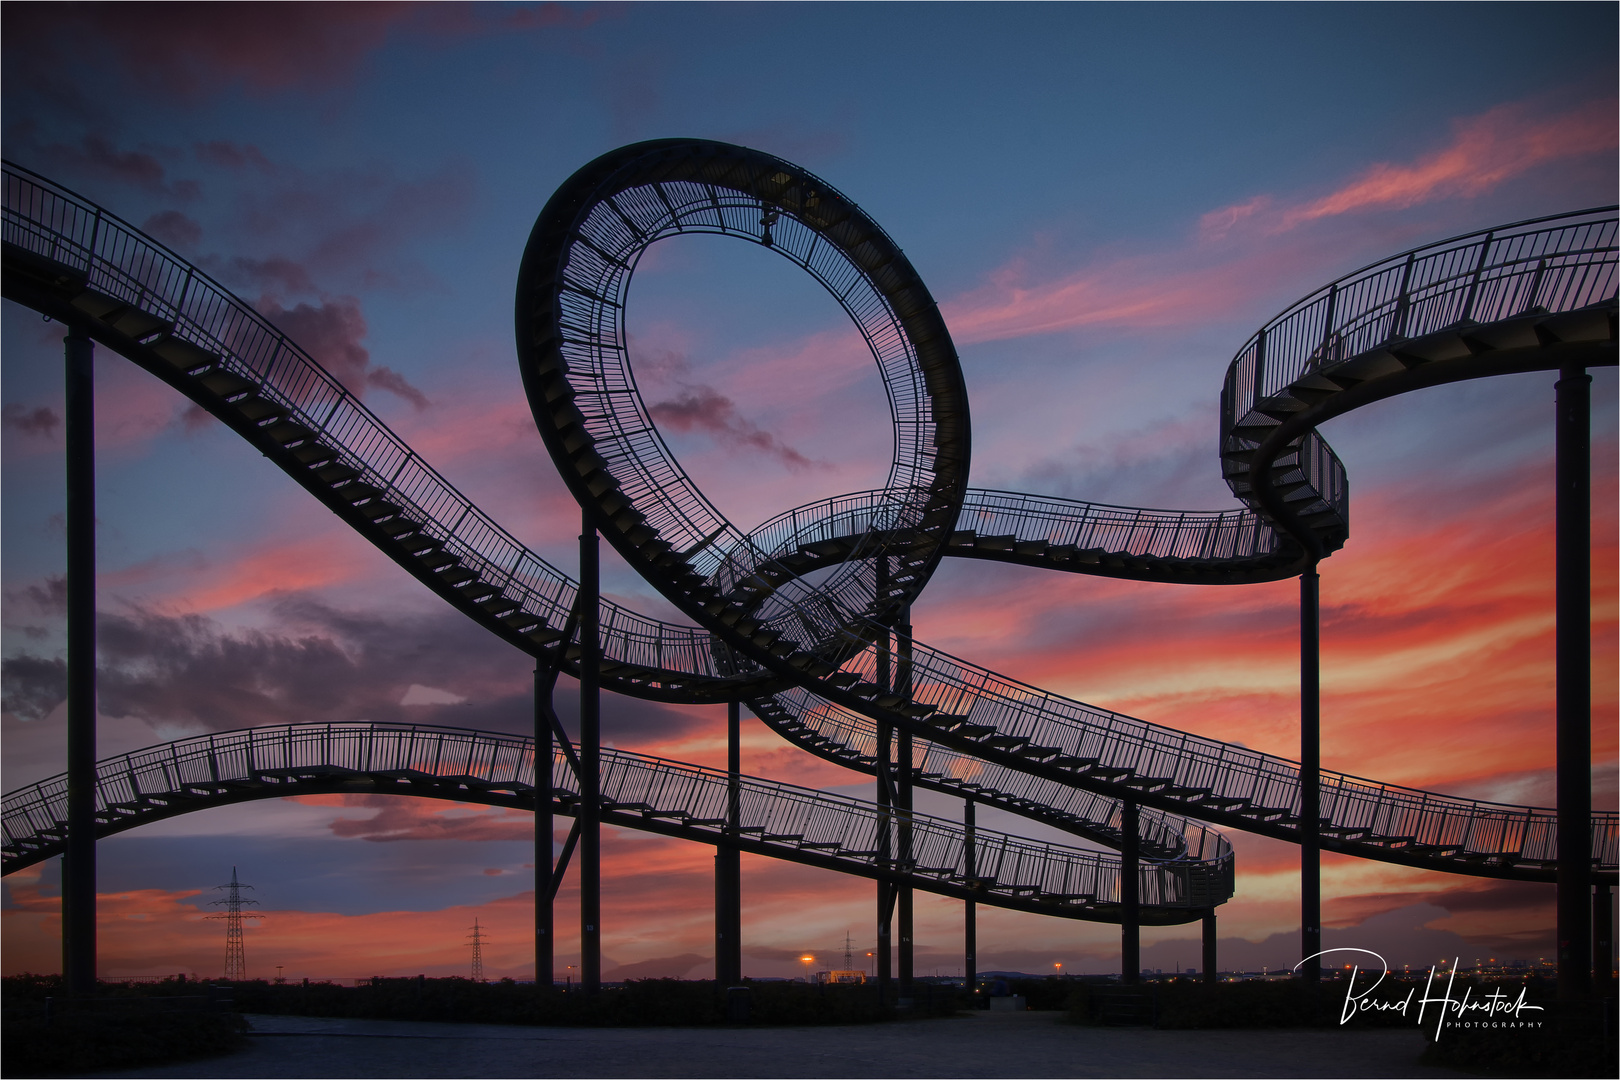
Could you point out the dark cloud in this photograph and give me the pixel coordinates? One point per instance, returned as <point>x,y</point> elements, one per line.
<point>704,408</point>
<point>331,331</point>
<point>321,664</point>
<point>33,686</point>
<point>193,52</point>
<point>97,158</point>
<point>173,228</point>
<point>231,156</point>
<point>49,597</point>
<point>349,225</point>
<point>388,379</point>
<point>39,421</point>
<point>276,275</point>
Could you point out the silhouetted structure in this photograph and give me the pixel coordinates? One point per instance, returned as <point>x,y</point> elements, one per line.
<point>803,619</point>
<point>235,957</point>
<point>476,943</point>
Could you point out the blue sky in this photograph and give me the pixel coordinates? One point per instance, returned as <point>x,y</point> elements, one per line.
<point>1107,200</point>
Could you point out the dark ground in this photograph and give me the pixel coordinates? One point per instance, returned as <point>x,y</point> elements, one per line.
<point>983,1044</point>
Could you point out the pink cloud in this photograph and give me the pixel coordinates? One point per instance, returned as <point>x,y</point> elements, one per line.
<point>327,554</point>
<point>1194,283</point>
<point>1163,289</point>
<point>1484,151</point>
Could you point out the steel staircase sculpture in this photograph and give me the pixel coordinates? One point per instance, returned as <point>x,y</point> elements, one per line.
<point>807,659</point>
<point>638,792</point>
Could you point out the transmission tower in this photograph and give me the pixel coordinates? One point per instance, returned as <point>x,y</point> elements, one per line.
<point>478,938</point>
<point>849,953</point>
<point>235,962</point>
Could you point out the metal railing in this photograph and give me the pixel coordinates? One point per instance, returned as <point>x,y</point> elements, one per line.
<point>1550,264</point>
<point>1202,536</point>
<point>848,831</point>
<point>1389,813</point>
<point>119,261</point>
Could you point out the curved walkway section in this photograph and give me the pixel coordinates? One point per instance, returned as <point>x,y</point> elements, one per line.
<point>638,792</point>
<point>1536,295</point>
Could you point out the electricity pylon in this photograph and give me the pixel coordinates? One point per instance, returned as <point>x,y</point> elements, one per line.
<point>235,961</point>
<point>478,938</point>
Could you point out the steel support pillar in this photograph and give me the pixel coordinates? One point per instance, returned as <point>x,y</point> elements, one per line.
<point>728,864</point>
<point>545,949</point>
<point>1210,958</point>
<point>79,860</point>
<point>1574,679</point>
<point>903,801</point>
<point>590,754</point>
<point>1602,943</point>
<point>1130,894</point>
<point>885,889</point>
<point>970,869</point>
<point>1310,774</point>
<point>885,798</point>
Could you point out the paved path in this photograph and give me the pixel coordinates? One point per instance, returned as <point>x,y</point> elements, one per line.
<point>982,1045</point>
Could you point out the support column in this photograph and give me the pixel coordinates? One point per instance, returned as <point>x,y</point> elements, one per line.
<point>1210,966</point>
<point>1310,774</point>
<point>79,860</point>
<point>590,755</point>
<point>1574,659</point>
<point>1602,943</point>
<point>728,864</point>
<point>970,869</point>
<point>1130,895</point>
<point>903,801</point>
<point>886,896</point>
<point>885,889</point>
<point>545,681</point>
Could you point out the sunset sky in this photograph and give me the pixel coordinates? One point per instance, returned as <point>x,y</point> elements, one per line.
<point>1107,201</point>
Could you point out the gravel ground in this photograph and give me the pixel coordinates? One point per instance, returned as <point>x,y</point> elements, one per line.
<point>1028,1044</point>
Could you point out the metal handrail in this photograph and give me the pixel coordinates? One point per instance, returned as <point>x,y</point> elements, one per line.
<point>838,827</point>
<point>1557,263</point>
<point>1208,537</point>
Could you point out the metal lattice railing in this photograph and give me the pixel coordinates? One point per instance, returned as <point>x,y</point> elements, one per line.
<point>847,830</point>
<point>119,261</point>
<point>1551,264</point>
<point>1207,537</point>
<point>1381,813</point>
